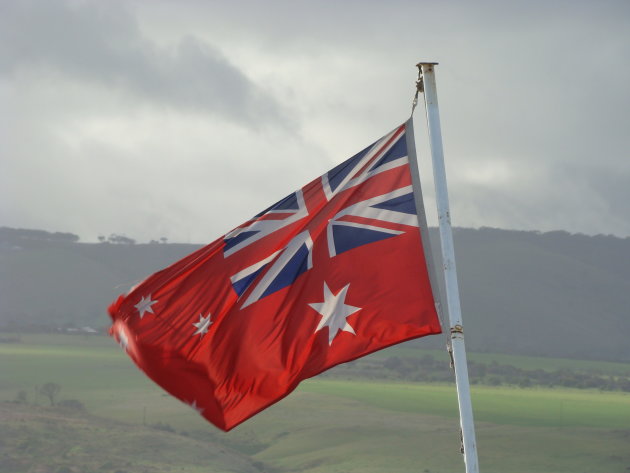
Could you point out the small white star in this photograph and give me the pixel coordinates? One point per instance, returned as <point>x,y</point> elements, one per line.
<point>196,407</point>
<point>145,306</point>
<point>123,341</point>
<point>203,325</point>
<point>334,312</point>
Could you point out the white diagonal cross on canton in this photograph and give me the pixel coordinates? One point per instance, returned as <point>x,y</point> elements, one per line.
<point>350,206</point>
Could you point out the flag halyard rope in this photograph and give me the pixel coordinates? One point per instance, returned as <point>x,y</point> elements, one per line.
<point>419,89</point>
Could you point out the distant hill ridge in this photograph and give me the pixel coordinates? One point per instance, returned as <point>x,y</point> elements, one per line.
<point>550,294</point>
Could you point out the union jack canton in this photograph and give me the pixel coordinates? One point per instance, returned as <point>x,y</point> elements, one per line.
<point>350,206</point>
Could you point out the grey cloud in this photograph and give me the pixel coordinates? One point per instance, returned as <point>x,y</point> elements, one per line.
<point>600,195</point>
<point>582,199</point>
<point>533,100</point>
<point>102,44</point>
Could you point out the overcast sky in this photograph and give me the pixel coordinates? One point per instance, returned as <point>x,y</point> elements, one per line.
<point>182,119</point>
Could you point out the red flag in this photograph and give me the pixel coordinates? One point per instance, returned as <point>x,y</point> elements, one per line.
<point>332,272</point>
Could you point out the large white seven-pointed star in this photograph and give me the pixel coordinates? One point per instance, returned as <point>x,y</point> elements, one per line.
<point>145,305</point>
<point>203,325</point>
<point>334,312</point>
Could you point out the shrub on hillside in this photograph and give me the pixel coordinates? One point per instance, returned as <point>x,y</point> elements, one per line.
<point>73,404</point>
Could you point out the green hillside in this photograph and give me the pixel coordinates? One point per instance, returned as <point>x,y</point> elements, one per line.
<point>55,440</point>
<point>527,293</point>
<point>130,425</point>
<point>552,294</point>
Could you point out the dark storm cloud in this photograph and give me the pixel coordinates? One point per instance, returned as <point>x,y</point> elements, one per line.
<point>533,98</point>
<point>102,44</point>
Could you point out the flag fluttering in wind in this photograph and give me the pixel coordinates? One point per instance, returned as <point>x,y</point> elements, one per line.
<point>330,273</point>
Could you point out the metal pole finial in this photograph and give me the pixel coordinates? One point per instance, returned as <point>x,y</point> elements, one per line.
<point>420,81</point>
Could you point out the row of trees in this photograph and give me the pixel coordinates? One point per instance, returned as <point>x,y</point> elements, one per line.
<point>50,391</point>
<point>496,374</point>
<point>16,235</point>
<point>428,369</point>
<point>117,239</point>
<point>47,390</point>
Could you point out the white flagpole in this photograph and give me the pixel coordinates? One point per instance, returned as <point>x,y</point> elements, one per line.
<point>450,275</point>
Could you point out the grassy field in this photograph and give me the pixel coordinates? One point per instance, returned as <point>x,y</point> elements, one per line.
<point>561,408</point>
<point>327,425</point>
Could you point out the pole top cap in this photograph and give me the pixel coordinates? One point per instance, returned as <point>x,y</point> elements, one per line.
<point>427,64</point>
